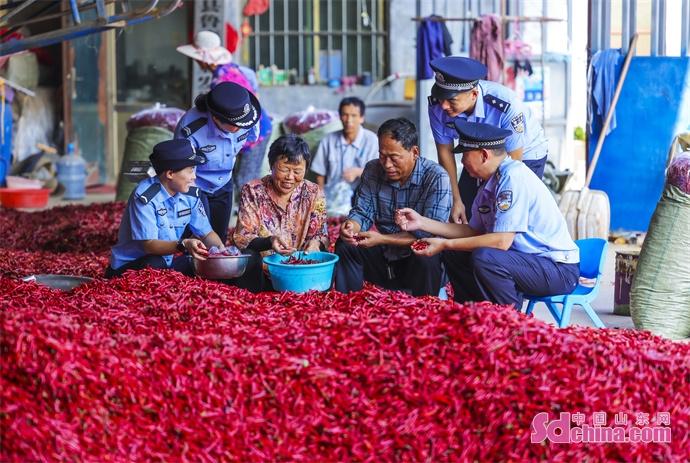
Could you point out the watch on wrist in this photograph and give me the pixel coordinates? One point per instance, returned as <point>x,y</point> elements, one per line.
<point>180,246</point>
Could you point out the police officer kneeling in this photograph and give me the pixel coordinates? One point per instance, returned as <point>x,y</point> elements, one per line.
<point>517,241</point>
<point>157,213</point>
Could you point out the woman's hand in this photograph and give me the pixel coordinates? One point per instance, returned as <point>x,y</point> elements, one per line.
<point>435,246</point>
<point>196,248</point>
<point>280,246</point>
<point>408,219</point>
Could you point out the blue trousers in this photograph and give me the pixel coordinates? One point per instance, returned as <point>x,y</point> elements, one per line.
<point>422,275</point>
<point>468,186</point>
<point>218,207</point>
<point>253,278</point>
<point>182,264</point>
<point>502,277</point>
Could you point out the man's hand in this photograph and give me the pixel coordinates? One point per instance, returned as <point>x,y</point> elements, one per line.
<point>457,213</point>
<point>408,219</point>
<point>368,239</point>
<point>436,245</point>
<point>348,230</point>
<point>352,173</point>
<point>280,246</point>
<point>196,248</point>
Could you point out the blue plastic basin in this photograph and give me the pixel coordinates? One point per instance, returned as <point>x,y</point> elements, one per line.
<point>302,278</point>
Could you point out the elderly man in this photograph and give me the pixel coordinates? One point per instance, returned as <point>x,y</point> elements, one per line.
<point>400,178</point>
<point>517,240</point>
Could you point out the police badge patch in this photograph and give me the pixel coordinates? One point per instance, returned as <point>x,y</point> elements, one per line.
<point>518,123</point>
<point>162,211</point>
<point>504,200</point>
<point>207,149</point>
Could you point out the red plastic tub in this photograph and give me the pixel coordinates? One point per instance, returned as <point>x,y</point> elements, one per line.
<point>24,197</point>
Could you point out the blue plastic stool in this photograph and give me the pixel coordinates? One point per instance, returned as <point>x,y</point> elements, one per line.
<point>592,258</point>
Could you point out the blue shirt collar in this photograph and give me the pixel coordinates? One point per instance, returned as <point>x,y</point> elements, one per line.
<point>165,196</point>
<point>479,105</point>
<point>357,143</point>
<point>500,172</point>
<point>214,131</point>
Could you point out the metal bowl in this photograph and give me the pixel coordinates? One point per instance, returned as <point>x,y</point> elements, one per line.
<point>221,267</point>
<point>62,282</point>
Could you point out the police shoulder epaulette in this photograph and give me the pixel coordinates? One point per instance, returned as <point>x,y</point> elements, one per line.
<point>193,191</point>
<point>150,193</point>
<point>194,126</point>
<point>496,102</point>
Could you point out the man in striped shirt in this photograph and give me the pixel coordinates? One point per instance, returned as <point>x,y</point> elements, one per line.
<point>399,178</point>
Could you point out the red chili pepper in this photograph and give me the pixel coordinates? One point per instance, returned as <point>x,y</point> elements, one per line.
<point>419,245</point>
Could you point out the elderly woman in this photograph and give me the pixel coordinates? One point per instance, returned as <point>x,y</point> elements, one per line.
<point>281,212</point>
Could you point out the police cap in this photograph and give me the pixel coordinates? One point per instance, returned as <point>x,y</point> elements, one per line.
<point>233,104</point>
<point>478,135</point>
<point>175,155</point>
<point>455,74</point>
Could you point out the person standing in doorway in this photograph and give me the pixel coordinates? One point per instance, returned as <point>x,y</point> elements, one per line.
<point>460,93</point>
<point>342,155</point>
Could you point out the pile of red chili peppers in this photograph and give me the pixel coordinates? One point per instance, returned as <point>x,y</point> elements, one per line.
<point>158,366</point>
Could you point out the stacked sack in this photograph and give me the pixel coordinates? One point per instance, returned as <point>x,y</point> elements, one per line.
<point>660,294</point>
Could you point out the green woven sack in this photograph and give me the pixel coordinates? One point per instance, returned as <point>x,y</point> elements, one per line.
<point>660,293</point>
<point>138,147</point>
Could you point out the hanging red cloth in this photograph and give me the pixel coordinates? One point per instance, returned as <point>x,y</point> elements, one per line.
<point>255,7</point>
<point>232,38</point>
<point>486,45</point>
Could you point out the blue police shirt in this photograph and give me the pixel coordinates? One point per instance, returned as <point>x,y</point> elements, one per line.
<point>499,106</point>
<point>220,148</point>
<point>161,217</point>
<point>515,200</point>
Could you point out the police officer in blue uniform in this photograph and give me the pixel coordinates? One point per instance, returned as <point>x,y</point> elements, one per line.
<point>459,93</point>
<point>158,212</point>
<point>218,125</point>
<point>517,241</point>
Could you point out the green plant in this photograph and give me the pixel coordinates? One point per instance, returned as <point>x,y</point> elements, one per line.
<point>579,133</point>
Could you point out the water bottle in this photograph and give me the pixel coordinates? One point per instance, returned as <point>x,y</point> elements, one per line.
<point>71,173</point>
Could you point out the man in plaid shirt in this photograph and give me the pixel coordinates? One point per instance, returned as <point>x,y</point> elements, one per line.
<point>399,178</point>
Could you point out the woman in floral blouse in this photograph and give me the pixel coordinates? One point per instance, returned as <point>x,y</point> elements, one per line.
<point>281,212</point>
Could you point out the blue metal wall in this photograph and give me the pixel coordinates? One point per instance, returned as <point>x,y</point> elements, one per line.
<point>654,106</point>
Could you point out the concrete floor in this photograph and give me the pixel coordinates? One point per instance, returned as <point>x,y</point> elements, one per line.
<point>603,304</point>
